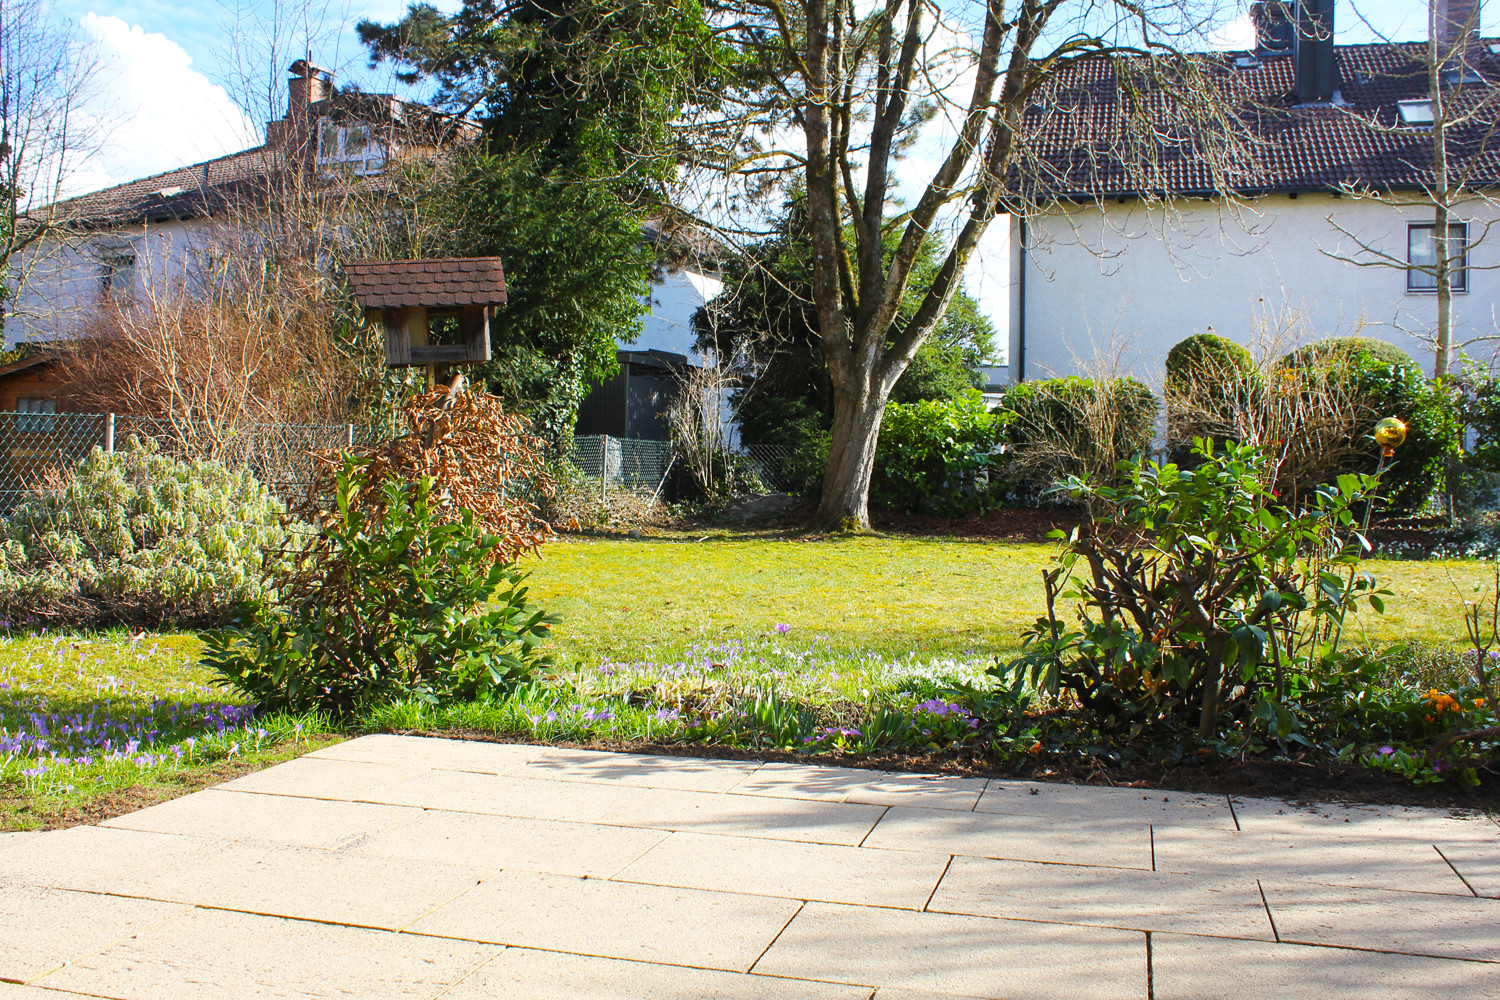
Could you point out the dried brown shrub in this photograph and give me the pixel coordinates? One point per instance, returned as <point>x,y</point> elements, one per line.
<point>479,457</point>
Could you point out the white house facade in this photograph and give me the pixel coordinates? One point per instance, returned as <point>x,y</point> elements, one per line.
<point>1324,233</point>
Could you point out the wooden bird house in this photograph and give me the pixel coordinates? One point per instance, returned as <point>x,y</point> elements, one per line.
<point>433,312</point>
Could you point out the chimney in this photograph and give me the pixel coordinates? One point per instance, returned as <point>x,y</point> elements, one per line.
<point>309,85</point>
<point>296,132</point>
<point>1455,27</point>
<point>1312,52</point>
<point>1273,26</point>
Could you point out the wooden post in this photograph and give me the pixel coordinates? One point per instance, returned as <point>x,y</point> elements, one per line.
<point>350,442</point>
<point>604,468</point>
<point>109,434</point>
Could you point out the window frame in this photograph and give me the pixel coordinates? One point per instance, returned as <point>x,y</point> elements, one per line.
<point>1459,273</point>
<point>35,414</point>
<point>116,274</point>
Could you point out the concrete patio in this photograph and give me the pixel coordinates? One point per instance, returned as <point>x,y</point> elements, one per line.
<point>407,867</point>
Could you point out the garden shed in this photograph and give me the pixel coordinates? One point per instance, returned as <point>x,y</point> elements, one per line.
<point>432,312</point>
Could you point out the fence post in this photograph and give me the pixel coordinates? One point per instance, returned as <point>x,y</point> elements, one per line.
<point>109,434</point>
<point>603,468</point>
<point>349,441</point>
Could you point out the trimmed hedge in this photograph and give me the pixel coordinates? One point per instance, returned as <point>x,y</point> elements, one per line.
<point>1075,426</point>
<point>1391,384</point>
<point>936,455</point>
<point>1205,354</point>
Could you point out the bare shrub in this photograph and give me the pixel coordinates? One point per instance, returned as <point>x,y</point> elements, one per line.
<point>698,435</point>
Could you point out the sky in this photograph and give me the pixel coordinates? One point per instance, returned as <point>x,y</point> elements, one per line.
<point>174,80</point>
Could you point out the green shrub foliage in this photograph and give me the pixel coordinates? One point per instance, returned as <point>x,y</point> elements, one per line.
<point>1205,355</point>
<point>1074,426</point>
<point>937,455</point>
<point>386,605</point>
<point>1192,596</point>
<point>140,537</point>
<point>1386,382</point>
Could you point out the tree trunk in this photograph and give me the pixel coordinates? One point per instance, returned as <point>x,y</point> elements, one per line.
<point>851,459</point>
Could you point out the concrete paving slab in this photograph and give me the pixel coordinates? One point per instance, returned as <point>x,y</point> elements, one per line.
<point>1418,923</point>
<point>212,953</point>
<point>522,974</point>
<point>1110,842</point>
<point>98,859</point>
<point>315,885</point>
<point>1405,866</point>
<point>1200,968</point>
<point>433,752</point>
<point>1106,897</point>
<point>1278,816</point>
<point>692,774</point>
<point>850,784</point>
<point>896,993</point>
<point>326,778</point>
<point>511,843</point>
<point>790,870</point>
<point>45,929</point>
<point>13,838</point>
<point>1056,801</point>
<point>509,795</point>
<point>273,819</point>
<point>1479,865</point>
<point>583,916</point>
<point>744,815</point>
<point>280,881</point>
<point>969,956</point>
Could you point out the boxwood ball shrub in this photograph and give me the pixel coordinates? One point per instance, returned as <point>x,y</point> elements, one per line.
<point>1211,384</point>
<point>1387,382</point>
<point>1205,355</point>
<point>1074,426</point>
<point>140,537</point>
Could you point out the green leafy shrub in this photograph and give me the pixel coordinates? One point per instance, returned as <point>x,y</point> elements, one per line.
<point>1211,385</point>
<point>1381,381</point>
<point>393,601</point>
<point>139,537</point>
<point>937,455</point>
<point>1205,355</point>
<point>1196,594</point>
<point>1065,427</point>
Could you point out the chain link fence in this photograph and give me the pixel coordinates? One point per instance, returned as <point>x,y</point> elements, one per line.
<point>35,445</point>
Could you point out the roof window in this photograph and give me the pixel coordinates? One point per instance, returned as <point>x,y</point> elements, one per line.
<point>1415,112</point>
<point>1246,62</point>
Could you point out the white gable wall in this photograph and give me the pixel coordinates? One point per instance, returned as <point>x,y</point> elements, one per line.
<point>673,300</point>
<point>1126,282</point>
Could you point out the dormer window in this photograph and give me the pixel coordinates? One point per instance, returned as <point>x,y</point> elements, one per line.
<point>351,146</point>
<point>1415,112</point>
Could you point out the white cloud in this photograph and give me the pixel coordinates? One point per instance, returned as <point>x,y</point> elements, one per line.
<point>162,113</point>
<point>1233,36</point>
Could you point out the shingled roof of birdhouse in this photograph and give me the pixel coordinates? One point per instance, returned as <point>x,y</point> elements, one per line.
<point>443,281</point>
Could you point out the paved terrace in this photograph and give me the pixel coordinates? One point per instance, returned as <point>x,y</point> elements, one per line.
<point>407,867</point>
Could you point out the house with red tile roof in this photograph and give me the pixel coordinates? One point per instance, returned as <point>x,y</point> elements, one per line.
<point>1307,235</point>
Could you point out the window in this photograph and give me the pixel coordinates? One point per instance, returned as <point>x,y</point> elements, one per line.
<point>351,146</point>
<point>1421,254</point>
<point>35,415</point>
<point>117,275</point>
<point>1415,112</point>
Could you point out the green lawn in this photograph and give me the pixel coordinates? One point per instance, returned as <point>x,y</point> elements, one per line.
<point>650,628</point>
<point>889,596</point>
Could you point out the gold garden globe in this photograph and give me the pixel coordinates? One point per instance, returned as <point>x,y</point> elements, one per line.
<point>1390,432</point>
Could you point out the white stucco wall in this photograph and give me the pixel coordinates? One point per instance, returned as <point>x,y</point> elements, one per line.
<point>674,298</point>
<point>1125,283</point>
<point>64,284</point>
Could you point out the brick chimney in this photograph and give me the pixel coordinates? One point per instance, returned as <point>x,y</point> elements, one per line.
<point>1312,52</point>
<point>295,132</point>
<point>1455,27</point>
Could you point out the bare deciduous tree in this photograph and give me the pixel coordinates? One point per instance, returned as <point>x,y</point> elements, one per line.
<point>47,76</point>
<point>858,83</point>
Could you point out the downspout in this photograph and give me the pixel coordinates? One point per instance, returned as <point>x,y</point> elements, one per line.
<point>1021,311</point>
